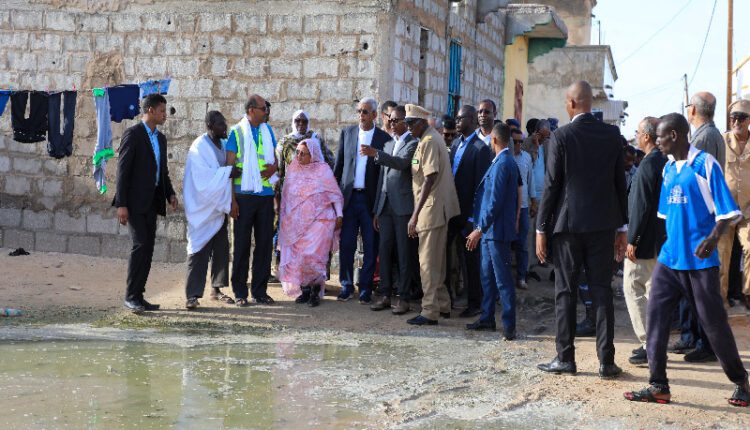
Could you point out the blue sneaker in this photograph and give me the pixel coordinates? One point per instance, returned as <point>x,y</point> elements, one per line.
<point>365,296</point>
<point>346,293</point>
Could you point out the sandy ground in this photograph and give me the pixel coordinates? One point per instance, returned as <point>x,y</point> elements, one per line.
<point>59,288</point>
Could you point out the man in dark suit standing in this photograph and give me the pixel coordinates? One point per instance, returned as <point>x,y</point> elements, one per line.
<point>357,176</point>
<point>394,205</point>
<point>584,209</point>
<point>143,188</point>
<point>470,157</point>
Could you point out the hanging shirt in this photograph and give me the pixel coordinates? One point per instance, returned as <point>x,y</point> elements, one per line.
<point>694,196</point>
<point>123,102</point>
<point>364,138</point>
<point>154,87</point>
<point>460,151</point>
<point>4,96</point>
<point>153,136</point>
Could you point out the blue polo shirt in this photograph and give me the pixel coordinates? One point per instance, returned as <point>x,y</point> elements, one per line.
<point>232,147</point>
<point>694,197</point>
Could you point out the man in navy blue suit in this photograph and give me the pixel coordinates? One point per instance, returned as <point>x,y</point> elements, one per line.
<point>495,226</point>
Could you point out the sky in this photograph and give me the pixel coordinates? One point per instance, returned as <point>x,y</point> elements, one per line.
<point>650,65</point>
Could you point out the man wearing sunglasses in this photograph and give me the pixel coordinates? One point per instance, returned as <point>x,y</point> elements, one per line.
<point>435,203</point>
<point>357,176</point>
<point>737,174</point>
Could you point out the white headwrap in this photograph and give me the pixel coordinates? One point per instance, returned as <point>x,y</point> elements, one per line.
<point>296,115</point>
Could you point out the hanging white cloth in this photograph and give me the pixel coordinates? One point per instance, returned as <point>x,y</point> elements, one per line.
<point>251,179</point>
<point>206,193</point>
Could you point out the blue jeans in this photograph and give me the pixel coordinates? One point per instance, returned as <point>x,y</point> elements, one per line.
<point>357,219</point>
<point>522,245</point>
<point>497,280</point>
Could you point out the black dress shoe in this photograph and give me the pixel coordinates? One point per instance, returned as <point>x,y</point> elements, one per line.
<point>267,300</point>
<point>586,328</point>
<point>149,306</point>
<point>509,335</point>
<point>480,325</point>
<point>470,312</point>
<point>420,320</point>
<point>134,306</point>
<point>680,347</point>
<point>700,356</point>
<point>639,357</point>
<point>446,315</point>
<point>609,371</point>
<point>557,367</point>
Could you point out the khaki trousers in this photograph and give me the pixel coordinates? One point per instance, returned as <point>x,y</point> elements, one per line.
<point>432,260</point>
<point>636,283</point>
<point>742,230</point>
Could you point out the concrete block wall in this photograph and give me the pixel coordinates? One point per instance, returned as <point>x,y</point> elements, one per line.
<point>319,56</point>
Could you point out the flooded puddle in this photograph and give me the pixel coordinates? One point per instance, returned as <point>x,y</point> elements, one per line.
<point>182,382</point>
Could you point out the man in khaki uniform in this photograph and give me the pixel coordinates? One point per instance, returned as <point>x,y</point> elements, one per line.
<point>737,174</point>
<point>435,202</point>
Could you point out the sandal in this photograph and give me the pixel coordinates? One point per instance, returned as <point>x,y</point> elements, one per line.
<point>654,393</point>
<point>740,397</point>
<point>221,297</point>
<point>242,303</point>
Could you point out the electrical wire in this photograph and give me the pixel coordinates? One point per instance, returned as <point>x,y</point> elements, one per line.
<point>621,62</point>
<point>705,39</point>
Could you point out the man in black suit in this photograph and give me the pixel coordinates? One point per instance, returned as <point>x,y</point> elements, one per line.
<point>357,176</point>
<point>393,208</point>
<point>470,157</point>
<point>584,209</point>
<point>143,189</point>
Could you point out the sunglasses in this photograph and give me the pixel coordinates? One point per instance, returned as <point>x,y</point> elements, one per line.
<point>411,121</point>
<point>363,111</point>
<point>740,117</point>
<point>395,120</point>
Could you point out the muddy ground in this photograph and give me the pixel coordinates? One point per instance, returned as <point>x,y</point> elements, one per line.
<point>470,377</point>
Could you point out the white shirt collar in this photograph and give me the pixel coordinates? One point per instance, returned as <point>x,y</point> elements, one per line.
<point>579,115</point>
<point>498,154</point>
<point>403,136</point>
<point>370,131</point>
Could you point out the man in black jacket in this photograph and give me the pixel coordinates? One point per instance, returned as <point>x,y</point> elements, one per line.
<point>470,158</point>
<point>646,232</point>
<point>143,188</point>
<point>584,208</point>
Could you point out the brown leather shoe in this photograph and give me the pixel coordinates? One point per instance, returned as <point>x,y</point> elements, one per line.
<point>380,303</point>
<point>400,307</point>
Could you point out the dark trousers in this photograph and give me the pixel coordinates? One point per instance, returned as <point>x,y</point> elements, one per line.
<point>394,241</point>
<point>217,251</point>
<point>593,252</point>
<point>691,332</point>
<point>142,228</point>
<point>701,287</point>
<point>522,245</point>
<point>497,280</point>
<point>357,219</point>
<point>255,220</point>
<point>472,261</point>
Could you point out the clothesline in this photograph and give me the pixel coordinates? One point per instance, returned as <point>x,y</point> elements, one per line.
<point>11,89</point>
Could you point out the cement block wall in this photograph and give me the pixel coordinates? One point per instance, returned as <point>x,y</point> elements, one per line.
<point>321,56</point>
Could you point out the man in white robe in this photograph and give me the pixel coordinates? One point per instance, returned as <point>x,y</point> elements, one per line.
<point>207,193</point>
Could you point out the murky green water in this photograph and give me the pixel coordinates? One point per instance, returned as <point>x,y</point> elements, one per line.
<point>109,385</point>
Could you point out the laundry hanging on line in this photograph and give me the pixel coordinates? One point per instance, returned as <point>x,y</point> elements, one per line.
<point>103,150</point>
<point>34,128</point>
<point>160,86</point>
<point>4,96</point>
<point>124,101</point>
<point>61,145</point>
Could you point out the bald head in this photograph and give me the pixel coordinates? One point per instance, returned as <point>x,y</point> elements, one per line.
<point>704,104</point>
<point>579,98</point>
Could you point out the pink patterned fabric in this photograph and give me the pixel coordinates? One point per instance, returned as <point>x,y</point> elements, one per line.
<point>311,200</point>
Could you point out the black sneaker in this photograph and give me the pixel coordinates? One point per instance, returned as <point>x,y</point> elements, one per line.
<point>267,300</point>
<point>680,347</point>
<point>304,297</point>
<point>700,356</point>
<point>639,357</point>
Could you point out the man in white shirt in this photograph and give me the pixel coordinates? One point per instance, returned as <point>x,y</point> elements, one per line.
<point>486,116</point>
<point>528,207</point>
<point>358,177</point>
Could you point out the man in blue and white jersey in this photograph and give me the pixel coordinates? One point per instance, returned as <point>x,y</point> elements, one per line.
<point>697,207</point>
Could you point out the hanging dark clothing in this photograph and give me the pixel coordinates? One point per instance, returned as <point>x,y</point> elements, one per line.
<point>4,96</point>
<point>34,128</point>
<point>61,145</point>
<point>123,101</point>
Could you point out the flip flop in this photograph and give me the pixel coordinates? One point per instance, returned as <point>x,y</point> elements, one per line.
<point>651,394</point>
<point>740,397</point>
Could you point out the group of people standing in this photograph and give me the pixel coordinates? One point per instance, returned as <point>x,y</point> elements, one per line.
<point>412,198</point>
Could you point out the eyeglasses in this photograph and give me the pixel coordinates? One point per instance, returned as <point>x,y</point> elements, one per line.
<point>363,111</point>
<point>263,109</point>
<point>395,120</point>
<point>738,116</point>
<point>411,121</point>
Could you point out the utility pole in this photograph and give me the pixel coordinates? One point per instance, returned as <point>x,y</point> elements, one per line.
<point>730,38</point>
<point>687,102</point>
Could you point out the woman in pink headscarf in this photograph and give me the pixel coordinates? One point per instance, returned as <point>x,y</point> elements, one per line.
<point>310,219</point>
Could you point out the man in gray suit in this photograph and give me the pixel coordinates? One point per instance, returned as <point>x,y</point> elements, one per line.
<point>394,204</point>
<point>357,176</point>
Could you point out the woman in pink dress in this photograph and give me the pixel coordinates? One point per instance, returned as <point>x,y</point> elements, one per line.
<point>310,219</point>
